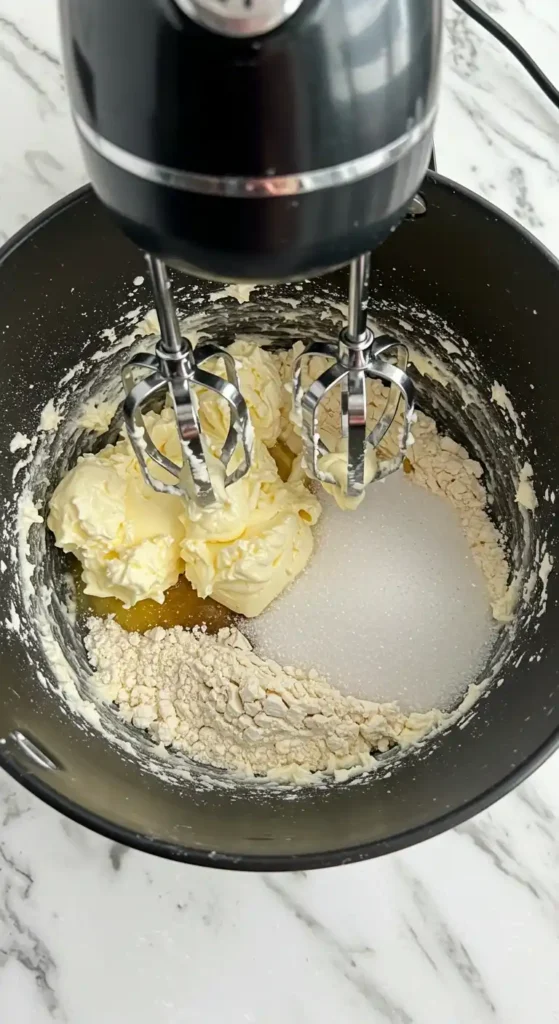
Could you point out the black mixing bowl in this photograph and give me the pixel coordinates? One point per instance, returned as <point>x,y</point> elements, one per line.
<point>65,278</point>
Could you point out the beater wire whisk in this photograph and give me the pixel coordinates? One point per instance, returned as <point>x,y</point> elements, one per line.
<point>176,370</point>
<point>356,358</point>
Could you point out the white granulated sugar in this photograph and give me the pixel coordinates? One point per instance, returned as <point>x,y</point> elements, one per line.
<point>213,698</point>
<point>392,605</point>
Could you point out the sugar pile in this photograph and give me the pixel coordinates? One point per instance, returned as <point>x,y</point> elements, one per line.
<point>392,605</point>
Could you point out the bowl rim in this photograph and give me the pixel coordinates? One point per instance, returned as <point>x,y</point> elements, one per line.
<point>274,862</point>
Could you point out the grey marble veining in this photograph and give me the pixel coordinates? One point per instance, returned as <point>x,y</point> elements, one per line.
<point>462,929</point>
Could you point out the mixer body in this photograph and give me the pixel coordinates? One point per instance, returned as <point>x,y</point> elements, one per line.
<point>263,156</point>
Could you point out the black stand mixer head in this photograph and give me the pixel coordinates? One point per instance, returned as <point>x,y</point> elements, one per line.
<point>257,140</point>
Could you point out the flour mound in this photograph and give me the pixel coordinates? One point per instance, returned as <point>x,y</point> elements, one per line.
<point>214,699</point>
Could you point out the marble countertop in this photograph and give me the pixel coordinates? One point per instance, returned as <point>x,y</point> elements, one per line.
<point>462,929</point>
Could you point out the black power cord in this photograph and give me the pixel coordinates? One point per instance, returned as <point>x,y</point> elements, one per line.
<point>512,46</point>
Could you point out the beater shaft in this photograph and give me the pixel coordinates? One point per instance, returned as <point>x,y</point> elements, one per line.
<point>359,274</point>
<point>171,340</point>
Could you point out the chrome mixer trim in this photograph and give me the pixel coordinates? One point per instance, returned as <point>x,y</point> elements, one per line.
<point>239,18</point>
<point>270,186</point>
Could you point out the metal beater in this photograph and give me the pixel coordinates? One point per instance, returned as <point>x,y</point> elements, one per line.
<point>356,358</point>
<point>176,370</point>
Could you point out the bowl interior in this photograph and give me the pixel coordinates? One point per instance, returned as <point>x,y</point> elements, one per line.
<point>459,272</point>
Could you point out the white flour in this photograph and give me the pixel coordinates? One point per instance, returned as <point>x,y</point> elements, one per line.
<point>214,699</point>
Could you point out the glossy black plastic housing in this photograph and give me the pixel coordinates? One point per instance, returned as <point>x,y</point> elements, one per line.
<point>65,278</point>
<point>340,80</point>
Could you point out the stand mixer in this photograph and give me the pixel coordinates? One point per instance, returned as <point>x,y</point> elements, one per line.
<point>257,141</point>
